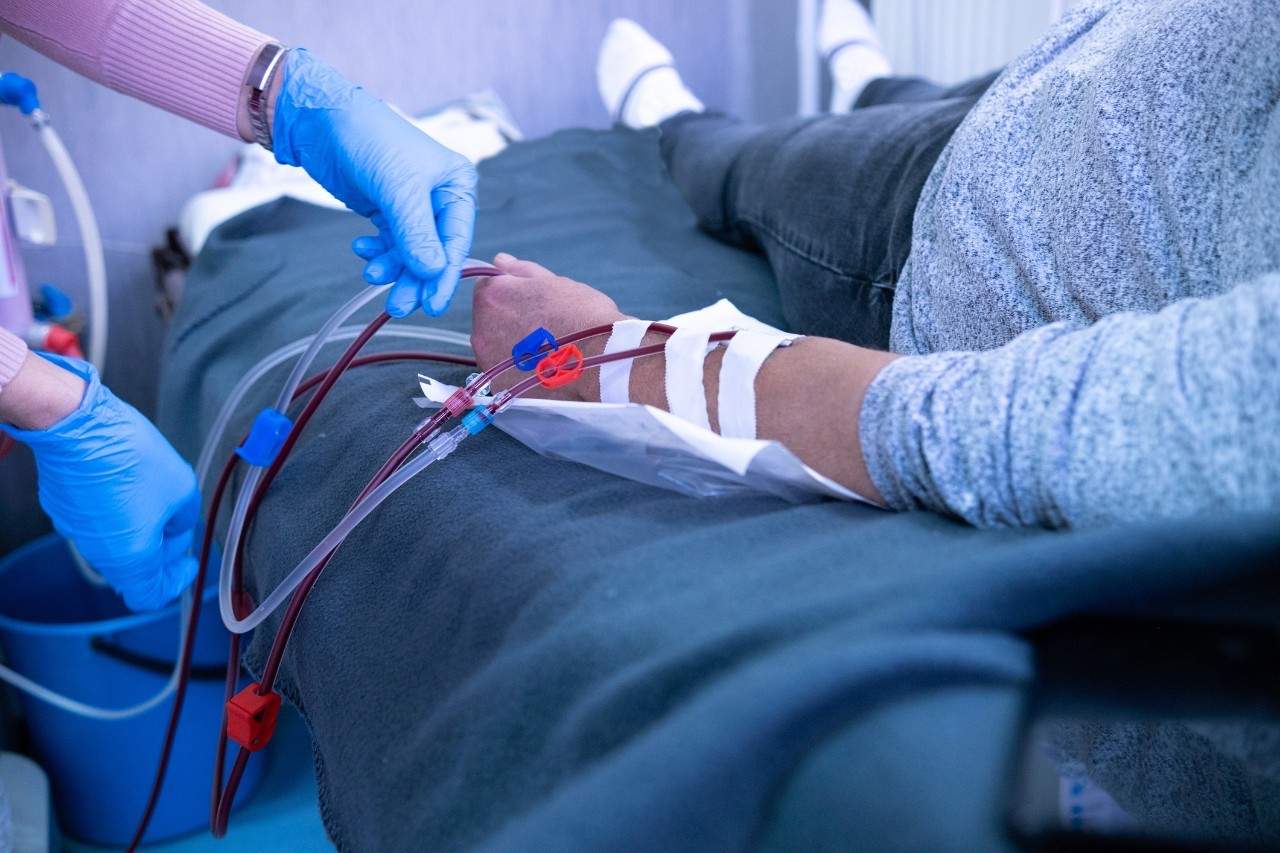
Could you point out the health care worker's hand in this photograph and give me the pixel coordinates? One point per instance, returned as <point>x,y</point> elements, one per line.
<point>420,195</point>
<point>113,486</point>
<point>507,308</point>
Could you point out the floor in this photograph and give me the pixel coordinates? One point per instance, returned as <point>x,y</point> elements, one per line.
<point>283,813</point>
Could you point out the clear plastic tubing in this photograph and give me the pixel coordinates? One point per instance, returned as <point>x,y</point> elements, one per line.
<point>26,685</point>
<point>250,484</point>
<point>236,530</point>
<point>349,522</point>
<point>95,263</point>
<point>288,351</point>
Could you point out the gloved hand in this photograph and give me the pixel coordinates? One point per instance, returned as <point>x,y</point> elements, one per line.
<point>420,195</point>
<point>113,486</point>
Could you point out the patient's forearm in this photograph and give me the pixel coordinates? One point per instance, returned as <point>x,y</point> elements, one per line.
<point>808,397</point>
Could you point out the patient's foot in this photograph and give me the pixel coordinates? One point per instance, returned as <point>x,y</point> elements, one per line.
<point>638,79</point>
<point>850,47</point>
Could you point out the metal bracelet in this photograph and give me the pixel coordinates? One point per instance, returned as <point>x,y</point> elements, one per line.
<point>259,78</point>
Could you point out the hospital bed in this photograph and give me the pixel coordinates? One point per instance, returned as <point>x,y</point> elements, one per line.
<point>520,653</point>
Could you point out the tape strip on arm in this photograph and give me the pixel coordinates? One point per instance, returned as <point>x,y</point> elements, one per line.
<point>615,377</point>
<point>686,353</point>
<point>743,358</point>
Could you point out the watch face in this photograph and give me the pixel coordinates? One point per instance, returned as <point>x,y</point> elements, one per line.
<point>260,73</point>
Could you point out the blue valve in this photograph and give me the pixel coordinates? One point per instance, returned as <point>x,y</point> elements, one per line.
<point>18,91</point>
<point>477,419</point>
<point>528,352</point>
<point>262,446</point>
<point>54,304</point>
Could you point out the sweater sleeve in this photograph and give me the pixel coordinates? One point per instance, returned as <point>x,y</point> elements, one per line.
<point>1137,416</point>
<point>179,55</point>
<point>13,351</point>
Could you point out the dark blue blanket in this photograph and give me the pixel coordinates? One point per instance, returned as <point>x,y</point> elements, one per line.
<point>522,654</point>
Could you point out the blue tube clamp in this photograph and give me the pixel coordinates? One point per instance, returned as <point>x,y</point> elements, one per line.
<point>529,352</point>
<point>268,435</point>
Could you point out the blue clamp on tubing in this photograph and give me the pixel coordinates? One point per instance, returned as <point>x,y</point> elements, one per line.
<point>270,429</point>
<point>477,419</point>
<point>528,352</point>
<point>18,91</point>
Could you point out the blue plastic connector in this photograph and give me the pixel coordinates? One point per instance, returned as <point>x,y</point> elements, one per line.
<point>528,352</point>
<point>18,91</point>
<point>477,419</point>
<point>54,304</point>
<point>262,446</point>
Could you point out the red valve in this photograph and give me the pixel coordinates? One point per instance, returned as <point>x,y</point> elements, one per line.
<point>54,339</point>
<point>459,401</point>
<point>560,367</point>
<point>251,719</point>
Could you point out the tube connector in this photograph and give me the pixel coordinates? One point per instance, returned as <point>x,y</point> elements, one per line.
<point>54,338</point>
<point>18,91</point>
<point>458,402</point>
<point>477,419</point>
<point>447,442</point>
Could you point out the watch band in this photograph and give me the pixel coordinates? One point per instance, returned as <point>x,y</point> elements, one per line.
<point>264,68</point>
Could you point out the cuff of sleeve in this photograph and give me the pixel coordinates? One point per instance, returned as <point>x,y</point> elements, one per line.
<point>78,421</point>
<point>13,351</point>
<point>897,413</point>
<point>183,57</point>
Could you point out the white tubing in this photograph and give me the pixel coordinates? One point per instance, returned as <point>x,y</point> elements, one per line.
<point>280,356</point>
<point>357,514</point>
<point>73,706</point>
<point>353,305</point>
<point>94,260</point>
<point>250,484</point>
<point>231,547</point>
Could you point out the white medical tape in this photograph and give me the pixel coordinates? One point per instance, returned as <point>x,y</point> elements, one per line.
<point>745,355</point>
<point>615,377</point>
<point>686,353</point>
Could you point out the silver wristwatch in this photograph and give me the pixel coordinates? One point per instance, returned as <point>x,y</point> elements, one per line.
<point>264,68</point>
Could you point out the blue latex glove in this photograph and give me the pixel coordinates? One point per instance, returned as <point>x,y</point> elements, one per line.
<point>113,486</point>
<point>420,195</point>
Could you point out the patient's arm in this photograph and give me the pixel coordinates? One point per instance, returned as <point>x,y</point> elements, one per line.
<point>808,395</point>
<point>1134,417</point>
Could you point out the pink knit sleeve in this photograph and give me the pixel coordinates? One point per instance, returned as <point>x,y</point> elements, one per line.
<point>13,351</point>
<point>180,55</point>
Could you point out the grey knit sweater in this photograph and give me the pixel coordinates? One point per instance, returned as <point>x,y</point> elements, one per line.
<point>1092,299</point>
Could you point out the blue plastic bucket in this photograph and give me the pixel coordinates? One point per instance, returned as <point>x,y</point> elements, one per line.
<point>81,641</point>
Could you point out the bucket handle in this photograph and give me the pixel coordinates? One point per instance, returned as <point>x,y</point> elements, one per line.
<point>158,666</point>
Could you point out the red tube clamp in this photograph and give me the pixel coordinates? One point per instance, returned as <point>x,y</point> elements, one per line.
<point>251,719</point>
<point>560,367</point>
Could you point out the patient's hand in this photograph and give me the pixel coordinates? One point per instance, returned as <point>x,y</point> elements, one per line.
<point>507,308</point>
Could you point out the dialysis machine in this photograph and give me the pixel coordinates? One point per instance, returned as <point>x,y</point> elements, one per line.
<point>28,215</point>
